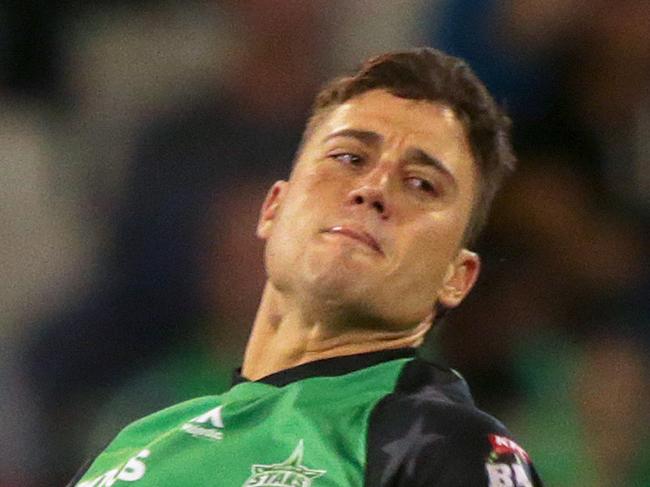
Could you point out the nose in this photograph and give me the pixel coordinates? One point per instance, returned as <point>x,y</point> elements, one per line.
<point>371,194</point>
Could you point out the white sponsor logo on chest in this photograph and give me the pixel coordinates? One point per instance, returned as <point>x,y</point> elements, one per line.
<point>208,425</point>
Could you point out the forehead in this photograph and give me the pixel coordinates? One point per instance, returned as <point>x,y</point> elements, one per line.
<point>432,125</point>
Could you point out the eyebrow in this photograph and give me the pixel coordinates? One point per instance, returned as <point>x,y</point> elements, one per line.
<point>421,157</point>
<point>366,136</point>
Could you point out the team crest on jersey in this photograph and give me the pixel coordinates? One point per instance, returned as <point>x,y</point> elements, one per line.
<point>507,464</point>
<point>290,473</point>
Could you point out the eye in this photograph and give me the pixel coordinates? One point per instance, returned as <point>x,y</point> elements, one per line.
<point>348,158</point>
<point>422,185</point>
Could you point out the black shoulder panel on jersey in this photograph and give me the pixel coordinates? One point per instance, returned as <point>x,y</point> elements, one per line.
<point>428,432</point>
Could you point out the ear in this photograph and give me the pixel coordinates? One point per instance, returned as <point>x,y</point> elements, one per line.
<point>270,209</point>
<point>460,278</point>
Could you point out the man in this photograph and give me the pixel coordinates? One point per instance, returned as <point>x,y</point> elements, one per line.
<point>366,244</point>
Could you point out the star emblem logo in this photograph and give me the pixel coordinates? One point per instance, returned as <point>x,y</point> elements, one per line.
<point>291,472</point>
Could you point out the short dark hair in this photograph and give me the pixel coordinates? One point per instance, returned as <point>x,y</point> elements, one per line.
<point>428,74</point>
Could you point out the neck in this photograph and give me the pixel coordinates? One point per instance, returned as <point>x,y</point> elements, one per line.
<point>286,334</point>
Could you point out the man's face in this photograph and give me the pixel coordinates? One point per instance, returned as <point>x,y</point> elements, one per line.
<point>372,218</point>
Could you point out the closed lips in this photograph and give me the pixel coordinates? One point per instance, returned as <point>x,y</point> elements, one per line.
<point>359,235</point>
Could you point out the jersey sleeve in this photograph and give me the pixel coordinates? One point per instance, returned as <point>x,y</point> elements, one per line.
<point>490,459</point>
<point>445,445</point>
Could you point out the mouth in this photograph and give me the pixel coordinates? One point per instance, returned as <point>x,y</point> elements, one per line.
<point>358,235</point>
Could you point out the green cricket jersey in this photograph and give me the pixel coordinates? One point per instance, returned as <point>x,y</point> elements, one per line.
<point>376,419</point>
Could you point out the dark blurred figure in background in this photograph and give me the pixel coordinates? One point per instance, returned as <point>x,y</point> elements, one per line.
<point>568,241</point>
<point>164,279</point>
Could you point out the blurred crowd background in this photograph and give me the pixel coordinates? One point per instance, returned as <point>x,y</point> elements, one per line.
<point>138,139</point>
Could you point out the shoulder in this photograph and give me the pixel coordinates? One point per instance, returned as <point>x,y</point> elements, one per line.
<point>429,404</point>
<point>169,417</point>
<point>429,430</point>
<point>141,432</point>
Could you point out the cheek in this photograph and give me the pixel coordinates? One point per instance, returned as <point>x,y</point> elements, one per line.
<point>315,198</point>
<point>326,185</point>
<point>280,255</point>
<point>427,255</point>
<point>295,223</point>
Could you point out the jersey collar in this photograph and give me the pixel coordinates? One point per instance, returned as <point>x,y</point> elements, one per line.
<point>329,367</point>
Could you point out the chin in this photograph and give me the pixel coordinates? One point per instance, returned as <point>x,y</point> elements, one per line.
<point>343,264</point>
<point>336,278</point>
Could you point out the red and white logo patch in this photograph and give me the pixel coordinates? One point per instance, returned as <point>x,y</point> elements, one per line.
<point>507,464</point>
<point>504,446</point>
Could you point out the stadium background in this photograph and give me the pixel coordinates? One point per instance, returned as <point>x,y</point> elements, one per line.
<point>137,140</point>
